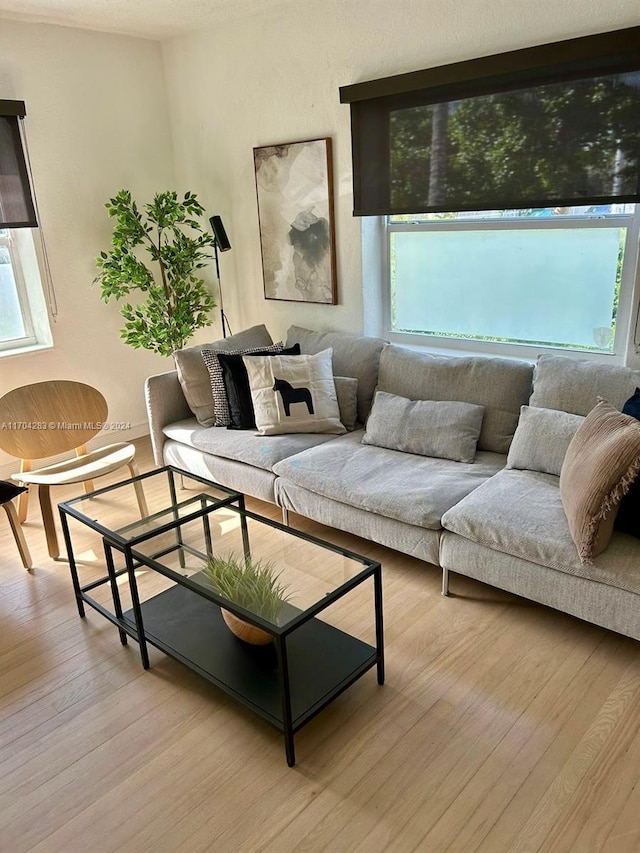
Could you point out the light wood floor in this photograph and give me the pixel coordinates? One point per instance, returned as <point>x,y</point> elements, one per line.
<point>503,726</point>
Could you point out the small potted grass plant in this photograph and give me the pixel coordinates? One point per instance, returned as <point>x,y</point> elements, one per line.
<point>252,584</point>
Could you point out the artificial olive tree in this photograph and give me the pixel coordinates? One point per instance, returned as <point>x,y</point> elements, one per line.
<point>176,301</point>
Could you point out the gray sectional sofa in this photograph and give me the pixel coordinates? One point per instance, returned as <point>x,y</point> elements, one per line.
<point>498,519</point>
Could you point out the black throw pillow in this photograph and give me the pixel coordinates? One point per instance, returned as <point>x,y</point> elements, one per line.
<point>9,490</point>
<point>628,518</point>
<point>236,383</point>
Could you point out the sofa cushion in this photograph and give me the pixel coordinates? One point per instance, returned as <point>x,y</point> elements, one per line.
<point>632,405</point>
<point>628,517</point>
<point>501,385</point>
<point>347,394</point>
<point>520,513</point>
<point>574,385</point>
<point>541,439</point>
<point>603,603</point>
<point>407,538</point>
<point>257,450</point>
<point>602,462</point>
<point>194,376</point>
<point>294,393</point>
<point>352,356</point>
<point>413,489</point>
<point>437,428</point>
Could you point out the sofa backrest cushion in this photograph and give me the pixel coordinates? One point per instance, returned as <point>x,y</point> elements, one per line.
<point>194,376</point>
<point>501,385</point>
<point>352,356</point>
<point>574,385</point>
<point>347,393</point>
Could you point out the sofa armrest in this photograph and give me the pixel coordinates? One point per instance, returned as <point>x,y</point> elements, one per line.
<point>165,405</point>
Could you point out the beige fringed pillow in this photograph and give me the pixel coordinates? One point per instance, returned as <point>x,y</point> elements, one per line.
<point>601,463</point>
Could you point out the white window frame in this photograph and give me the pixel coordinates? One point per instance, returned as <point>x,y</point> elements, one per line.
<point>24,249</point>
<point>376,232</point>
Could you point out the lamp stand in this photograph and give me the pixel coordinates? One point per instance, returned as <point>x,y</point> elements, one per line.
<point>223,317</point>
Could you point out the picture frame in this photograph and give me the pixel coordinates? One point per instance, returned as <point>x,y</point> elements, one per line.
<point>294,189</point>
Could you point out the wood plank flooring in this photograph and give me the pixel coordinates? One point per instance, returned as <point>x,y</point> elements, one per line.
<point>503,726</point>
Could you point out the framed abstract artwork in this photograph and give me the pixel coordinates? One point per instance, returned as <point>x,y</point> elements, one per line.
<point>295,212</point>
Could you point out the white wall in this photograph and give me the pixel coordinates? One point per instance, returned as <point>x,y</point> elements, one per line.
<point>96,122</point>
<point>274,77</point>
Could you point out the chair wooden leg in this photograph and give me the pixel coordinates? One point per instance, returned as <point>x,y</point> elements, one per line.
<point>23,506</point>
<point>21,542</point>
<point>23,500</point>
<point>47,519</point>
<point>142,501</point>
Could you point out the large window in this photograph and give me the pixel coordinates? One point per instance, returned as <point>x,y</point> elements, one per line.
<point>14,316</point>
<point>24,322</point>
<point>23,312</point>
<point>547,126</point>
<point>542,278</point>
<point>506,192</point>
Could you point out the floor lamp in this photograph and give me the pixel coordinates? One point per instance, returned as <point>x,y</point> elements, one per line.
<point>220,243</point>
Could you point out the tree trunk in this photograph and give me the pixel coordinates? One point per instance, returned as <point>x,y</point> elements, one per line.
<point>438,165</point>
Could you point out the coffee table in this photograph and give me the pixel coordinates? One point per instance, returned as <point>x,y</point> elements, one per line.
<point>175,608</point>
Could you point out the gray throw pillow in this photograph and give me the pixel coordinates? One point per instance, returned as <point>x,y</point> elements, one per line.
<point>439,428</point>
<point>347,393</point>
<point>194,376</point>
<point>541,439</point>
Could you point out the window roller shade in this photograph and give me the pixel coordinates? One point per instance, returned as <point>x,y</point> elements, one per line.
<point>17,209</point>
<point>549,126</point>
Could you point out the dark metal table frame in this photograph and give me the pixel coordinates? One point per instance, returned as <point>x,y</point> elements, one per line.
<point>113,540</point>
<point>359,656</point>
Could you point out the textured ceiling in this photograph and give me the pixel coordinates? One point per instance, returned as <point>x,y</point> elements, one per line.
<point>157,19</point>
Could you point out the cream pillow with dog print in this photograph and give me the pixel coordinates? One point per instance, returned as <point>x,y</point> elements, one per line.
<point>294,393</point>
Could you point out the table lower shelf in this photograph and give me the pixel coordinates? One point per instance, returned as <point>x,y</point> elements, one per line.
<point>323,661</point>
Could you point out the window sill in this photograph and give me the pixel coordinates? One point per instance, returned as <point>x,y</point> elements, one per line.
<point>459,347</point>
<point>24,350</point>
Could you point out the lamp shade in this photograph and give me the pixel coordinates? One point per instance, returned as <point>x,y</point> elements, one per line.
<point>222,241</point>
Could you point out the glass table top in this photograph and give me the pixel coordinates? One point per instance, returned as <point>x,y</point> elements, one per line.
<point>192,529</point>
<point>167,495</point>
<point>235,557</point>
